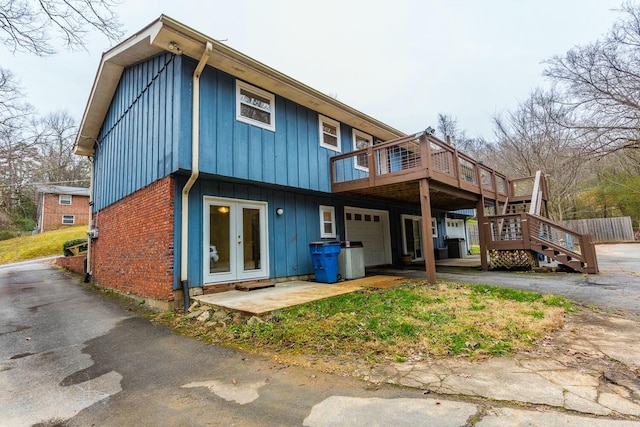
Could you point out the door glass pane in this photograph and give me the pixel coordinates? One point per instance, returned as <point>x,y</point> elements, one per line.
<point>408,230</point>
<point>219,239</point>
<point>417,239</point>
<point>251,232</point>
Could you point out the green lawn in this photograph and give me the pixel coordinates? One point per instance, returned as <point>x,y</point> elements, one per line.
<point>39,245</point>
<point>414,321</point>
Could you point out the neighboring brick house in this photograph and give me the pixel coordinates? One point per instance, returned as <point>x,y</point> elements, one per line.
<point>60,207</point>
<point>210,168</point>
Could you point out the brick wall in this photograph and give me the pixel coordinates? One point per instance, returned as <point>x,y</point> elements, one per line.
<point>53,211</point>
<point>72,263</point>
<point>134,249</point>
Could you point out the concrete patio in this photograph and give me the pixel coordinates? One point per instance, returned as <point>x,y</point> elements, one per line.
<point>288,294</point>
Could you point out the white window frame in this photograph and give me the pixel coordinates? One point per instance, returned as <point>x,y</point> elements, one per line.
<point>73,219</point>
<point>63,198</point>
<point>321,121</point>
<point>356,133</point>
<point>434,227</point>
<point>240,85</point>
<point>332,211</point>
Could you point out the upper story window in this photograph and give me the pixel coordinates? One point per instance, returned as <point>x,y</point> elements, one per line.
<point>65,199</point>
<point>327,222</point>
<point>329,133</point>
<point>255,106</point>
<point>361,140</point>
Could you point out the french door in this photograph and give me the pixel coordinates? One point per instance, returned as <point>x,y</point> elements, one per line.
<point>412,237</point>
<point>235,240</point>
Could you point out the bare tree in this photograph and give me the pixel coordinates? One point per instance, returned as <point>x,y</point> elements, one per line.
<point>54,138</point>
<point>601,81</point>
<point>30,25</point>
<point>16,148</point>
<point>448,127</point>
<point>531,138</point>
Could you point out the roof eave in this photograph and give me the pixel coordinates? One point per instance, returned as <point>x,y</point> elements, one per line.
<point>135,49</point>
<point>166,32</point>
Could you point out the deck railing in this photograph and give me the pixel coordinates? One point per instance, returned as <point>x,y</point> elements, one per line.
<point>526,231</point>
<point>414,157</point>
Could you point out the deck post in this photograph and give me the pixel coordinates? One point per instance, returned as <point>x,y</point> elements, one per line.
<point>427,232</point>
<point>482,234</point>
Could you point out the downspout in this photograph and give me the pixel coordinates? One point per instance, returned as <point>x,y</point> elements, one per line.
<point>195,171</point>
<point>87,262</point>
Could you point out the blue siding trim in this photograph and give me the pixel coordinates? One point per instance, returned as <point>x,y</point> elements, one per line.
<point>467,212</point>
<point>134,147</point>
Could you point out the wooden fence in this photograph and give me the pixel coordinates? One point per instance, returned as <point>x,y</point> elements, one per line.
<point>604,229</point>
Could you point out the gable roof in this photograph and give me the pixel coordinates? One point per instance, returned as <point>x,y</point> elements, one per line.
<point>60,189</point>
<point>165,34</point>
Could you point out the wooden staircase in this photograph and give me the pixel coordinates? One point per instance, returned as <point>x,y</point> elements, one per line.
<point>522,226</point>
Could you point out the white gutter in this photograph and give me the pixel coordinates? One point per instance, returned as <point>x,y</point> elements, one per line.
<point>195,171</point>
<point>87,267</point>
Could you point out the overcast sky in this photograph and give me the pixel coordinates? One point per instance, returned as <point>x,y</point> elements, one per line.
<point>400,61</point>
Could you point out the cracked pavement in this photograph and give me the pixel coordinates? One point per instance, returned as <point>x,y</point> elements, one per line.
<point>586,368</point>
<point>591,366</point>
<point>70,356</point>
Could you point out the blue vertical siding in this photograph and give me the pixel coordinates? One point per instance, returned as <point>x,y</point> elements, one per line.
<point>291,156</point>
<point>289,235</point>
<point>146,134</point>
<point>138,142</point>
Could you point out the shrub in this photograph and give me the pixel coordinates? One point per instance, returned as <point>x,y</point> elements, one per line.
<point>70,243</point>
<point>25,224</point>
<point>8,234</point>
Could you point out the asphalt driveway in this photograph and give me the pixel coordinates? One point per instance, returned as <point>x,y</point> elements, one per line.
<point>71,355</point>
<point>615,289</point>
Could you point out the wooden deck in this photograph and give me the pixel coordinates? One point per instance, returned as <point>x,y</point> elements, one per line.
<point>393,170</point>
<point>425,171</point>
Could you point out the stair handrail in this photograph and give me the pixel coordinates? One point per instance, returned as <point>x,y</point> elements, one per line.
<point>587,252</point>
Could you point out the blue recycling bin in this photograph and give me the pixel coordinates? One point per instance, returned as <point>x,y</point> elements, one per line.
<point>324,257</point>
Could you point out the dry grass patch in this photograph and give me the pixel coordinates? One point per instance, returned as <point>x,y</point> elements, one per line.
<point>39,245</point>
<point>413,321</point>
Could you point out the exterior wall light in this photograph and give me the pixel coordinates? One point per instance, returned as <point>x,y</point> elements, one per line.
<point>279,211</point>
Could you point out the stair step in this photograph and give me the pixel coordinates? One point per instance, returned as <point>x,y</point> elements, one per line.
<point>252,286</point>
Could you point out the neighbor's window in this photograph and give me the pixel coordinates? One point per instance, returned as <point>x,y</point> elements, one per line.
<point>329,133</point>
<point>327,222</point>
<point>64,199</point>
<point>434,227</point>
<point>361,140</point>
<point>68,219</point>
<point>255,106</point>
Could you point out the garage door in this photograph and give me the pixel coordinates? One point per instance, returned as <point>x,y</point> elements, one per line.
<point>455,228</point>
<point>371,227</point>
